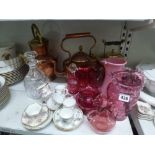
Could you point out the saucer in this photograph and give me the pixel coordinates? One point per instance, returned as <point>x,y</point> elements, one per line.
<point>145,109</point>
<point>4,92</point>
<point>4,101</point>
<point>35,120</point>
<point>52,105</point>
<point>75,122</point>
<point>41,126</point>
<point>146,117</point>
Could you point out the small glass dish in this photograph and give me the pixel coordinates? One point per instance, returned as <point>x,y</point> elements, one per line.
<point>101,121</point>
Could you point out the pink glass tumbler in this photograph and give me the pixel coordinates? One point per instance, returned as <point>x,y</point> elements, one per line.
<point>124,91</point>
<point>111,64</point>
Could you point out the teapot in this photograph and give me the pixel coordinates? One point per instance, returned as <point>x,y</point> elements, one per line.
<point>81,68</point>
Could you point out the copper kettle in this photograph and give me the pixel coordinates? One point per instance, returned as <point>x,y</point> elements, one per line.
<point>80,59</point>
<point>112,53</point>
<point>82,67</point>
<point>40,44</point>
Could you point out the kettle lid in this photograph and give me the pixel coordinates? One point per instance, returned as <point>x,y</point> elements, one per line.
<point>80,57</point>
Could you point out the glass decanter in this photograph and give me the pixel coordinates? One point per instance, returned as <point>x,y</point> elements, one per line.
<point>36,83</point>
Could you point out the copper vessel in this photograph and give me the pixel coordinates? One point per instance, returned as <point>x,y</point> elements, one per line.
<point>40,44</point>
<point>112,53</point>
<point>80,59</point>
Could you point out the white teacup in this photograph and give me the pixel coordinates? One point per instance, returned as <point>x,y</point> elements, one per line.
<point>61,89</point>
<point>33,109</point>
<point>69,102</point>
<point>55,101</point>
<point>66,115</point>
<point>58,98</point>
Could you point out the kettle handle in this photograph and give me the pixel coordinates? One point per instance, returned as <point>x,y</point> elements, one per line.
<point>78,35</point>
<point>36,33</point>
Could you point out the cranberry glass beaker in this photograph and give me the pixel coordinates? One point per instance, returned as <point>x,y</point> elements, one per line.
<point>124,91</point>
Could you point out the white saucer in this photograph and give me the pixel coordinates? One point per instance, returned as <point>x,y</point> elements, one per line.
<point>71,125</point>
<point>55,101</point>
<point>35,120</point>
<point>145,108</point>
<point>147,98</point>
<point>43,125</point>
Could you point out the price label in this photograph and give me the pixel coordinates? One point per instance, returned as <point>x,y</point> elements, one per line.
<point>124,97</point>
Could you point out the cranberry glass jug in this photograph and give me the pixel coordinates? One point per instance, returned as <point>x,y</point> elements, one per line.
<point>111,65</point>
<point>124,91</point>
<point>81,69</point>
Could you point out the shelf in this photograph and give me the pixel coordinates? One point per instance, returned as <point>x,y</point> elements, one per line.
<point>10,117</point>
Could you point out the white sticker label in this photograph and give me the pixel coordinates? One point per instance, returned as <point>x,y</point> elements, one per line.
<point>124,97</point>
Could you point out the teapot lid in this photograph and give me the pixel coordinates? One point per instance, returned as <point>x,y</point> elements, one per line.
<point>80,57</point>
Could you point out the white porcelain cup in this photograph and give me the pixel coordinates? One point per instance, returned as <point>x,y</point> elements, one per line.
<point>33,109</point>
<point>69,102</point>
<point>7,51</point>
<point>66,115</point>
<point>61,89</point>
<point>58,98</point>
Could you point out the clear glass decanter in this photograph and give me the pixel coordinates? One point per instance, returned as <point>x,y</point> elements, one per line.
<point>36,83</point>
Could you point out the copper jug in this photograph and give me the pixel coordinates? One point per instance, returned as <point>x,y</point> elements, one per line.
<point>44,61</point>
<point>81,68</point>
<point>39,43</point>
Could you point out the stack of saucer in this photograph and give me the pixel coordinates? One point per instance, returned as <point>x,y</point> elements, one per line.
<point>145,111</point>
<point>4,92</point>
<point>57,97</point>
<point>13,70</point>
<point>68,117</point>
<point>36,116</point>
